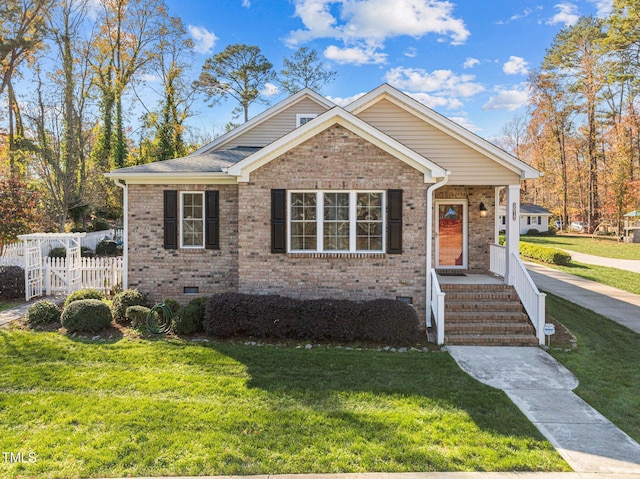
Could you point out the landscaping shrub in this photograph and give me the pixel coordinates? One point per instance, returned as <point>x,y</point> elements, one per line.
<point>107,248</point>
<point>61,252</point>
<point>269,316</point>
<point>86,315</point>
<point>172,304</point>
<point>544,254</point>
<point>99,224</point>
<point>121,301</point>
<point>188,320</point>
<point>42,312</point>
<point>83,294</point>
<point>533,232</point>
<point>11,282</point>
<point>137,315</point>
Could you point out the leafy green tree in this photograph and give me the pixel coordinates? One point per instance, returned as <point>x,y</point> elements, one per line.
<point>240,72</point>
<point>575,60</point>
<point>18,212</point>
<point>304,70</point>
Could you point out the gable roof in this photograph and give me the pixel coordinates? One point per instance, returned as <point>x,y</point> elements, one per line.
<point>264,116</point>
<point>444,124</point>
<point>337,116</point>
<point>527,209</point>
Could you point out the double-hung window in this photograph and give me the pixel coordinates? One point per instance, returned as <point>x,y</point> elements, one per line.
<point>191,219</point>
<point>336,221</point>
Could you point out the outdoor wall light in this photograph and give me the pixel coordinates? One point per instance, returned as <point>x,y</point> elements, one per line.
<point>483,210</point>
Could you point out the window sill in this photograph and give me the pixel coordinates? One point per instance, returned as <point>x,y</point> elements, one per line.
<point>336,255</point>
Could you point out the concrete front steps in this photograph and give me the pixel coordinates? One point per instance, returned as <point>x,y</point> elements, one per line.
<point>485,315</point>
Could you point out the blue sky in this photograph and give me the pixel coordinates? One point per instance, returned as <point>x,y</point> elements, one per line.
<point>467,59</point>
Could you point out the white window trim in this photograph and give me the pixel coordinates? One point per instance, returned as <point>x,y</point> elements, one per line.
<point>301,116</point>
<point>352,221</point>
<point>181,219</point>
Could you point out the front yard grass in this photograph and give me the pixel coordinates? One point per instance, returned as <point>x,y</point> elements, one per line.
<point>4,305</point>
<point>599,247</point>
<point>606,362</point>
<point>172,407</point>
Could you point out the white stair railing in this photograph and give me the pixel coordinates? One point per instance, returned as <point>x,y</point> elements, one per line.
<point>497,259</point>
<point>437,307</point>
<point>532,299</point>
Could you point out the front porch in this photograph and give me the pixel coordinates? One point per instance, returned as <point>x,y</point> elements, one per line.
<point>486,308</point>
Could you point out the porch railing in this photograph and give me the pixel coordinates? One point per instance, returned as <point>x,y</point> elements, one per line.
<point>532,299</point>
<point>437,307</point>
<point>498,259</point>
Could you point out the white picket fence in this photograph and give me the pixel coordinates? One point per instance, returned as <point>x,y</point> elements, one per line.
<point>13,253</point>
<point>103,274</point>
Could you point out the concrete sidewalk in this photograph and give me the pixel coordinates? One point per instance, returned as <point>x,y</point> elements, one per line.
<point>18,312</point>
<point>541,387</point>
<point>615,304</point>
<point>626,264</point>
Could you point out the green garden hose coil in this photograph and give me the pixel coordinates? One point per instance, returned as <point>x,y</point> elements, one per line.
<point>159,319</point>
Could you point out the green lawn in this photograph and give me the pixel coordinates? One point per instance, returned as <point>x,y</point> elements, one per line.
<point>8,304</point>
<point>139,407</point>
<point>588,245</point>
<point>606,361</point>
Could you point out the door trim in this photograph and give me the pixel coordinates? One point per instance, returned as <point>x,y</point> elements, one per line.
<point>465,233</point>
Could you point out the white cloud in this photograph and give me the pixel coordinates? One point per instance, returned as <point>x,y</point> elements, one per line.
<point>246,3</point>
<point>345,101</point>
<point>603,7</point>
<point>442,82</point>
<point>508,99</point>
<point>354,55</point>
<point>568,15</point>
<point>470,63</point>
<point>434,102</point>
<point>525,13</point>
<point>204,40</point>
<point>515,66</point>
<point>270,90</point>
<point>464,122</point>
<point>372,22</point>
<point>411,52</point>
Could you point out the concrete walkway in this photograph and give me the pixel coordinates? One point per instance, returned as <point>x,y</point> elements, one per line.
<point>632,265</point>
<point>615,304</point>
<point>18,312</point>
<point>541,387</point>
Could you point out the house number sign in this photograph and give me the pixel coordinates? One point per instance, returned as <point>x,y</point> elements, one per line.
<point>513,212</point>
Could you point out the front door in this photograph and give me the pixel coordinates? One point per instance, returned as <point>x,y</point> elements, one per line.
<point>451,234</point>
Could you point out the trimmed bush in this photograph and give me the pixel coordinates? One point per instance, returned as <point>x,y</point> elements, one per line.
<point>533,232</point>
<point>99,224</point>
<point>43,312</point>
<point>173,305</point>
<point>86,315</point>
<point>61,252</point>
<point>188,320</point>
<point>107,248</point>
<point>124,299</point>
<point>83,294</point>
<point>269,316</point>
<point>137,315</point>
<point>544,254</point>
<point>11,282</point>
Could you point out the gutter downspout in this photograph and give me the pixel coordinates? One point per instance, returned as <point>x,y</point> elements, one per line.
<point>428,247</point>
<point>125,232</point>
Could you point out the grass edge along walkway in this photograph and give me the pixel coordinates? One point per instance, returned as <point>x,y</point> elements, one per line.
<point>172,407</point>
<point>606,363</point>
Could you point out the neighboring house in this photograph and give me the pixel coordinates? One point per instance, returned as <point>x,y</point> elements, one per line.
<point>310,199</point>
<point>532,217</point>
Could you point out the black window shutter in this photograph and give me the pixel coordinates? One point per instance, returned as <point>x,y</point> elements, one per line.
<point>212,220</point>
<point>278,221</point>
<point>394,221</point>
<point>170,219</point>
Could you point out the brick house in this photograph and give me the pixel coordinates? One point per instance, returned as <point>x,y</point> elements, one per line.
<point>310,199</point>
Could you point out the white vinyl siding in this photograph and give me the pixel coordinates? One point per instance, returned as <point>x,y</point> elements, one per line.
<point>275,127</point>
<point>467,166</point>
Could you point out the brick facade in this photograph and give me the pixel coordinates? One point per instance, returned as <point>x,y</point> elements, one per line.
<point>335,159</point>
<point>162,273</point>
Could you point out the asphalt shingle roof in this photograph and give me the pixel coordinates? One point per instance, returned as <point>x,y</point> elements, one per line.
<point>212,162</point>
